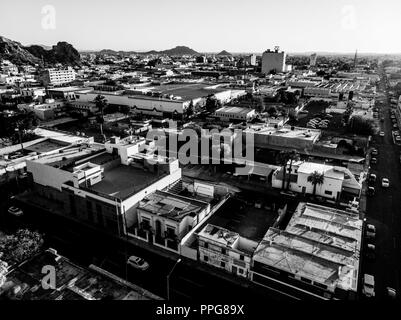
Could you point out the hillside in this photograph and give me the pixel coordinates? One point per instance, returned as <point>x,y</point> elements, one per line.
<point>14,51</point>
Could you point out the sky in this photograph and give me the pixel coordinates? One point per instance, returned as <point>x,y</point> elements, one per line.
<point>370,26</point>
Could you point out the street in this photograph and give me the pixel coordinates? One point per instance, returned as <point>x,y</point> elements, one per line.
<point>383,211</point>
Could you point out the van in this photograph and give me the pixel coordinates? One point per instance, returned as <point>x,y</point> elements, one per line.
<point>368,285</point>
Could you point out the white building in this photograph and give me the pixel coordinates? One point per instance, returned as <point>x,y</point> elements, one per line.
<point>235,113</point>
<point>250,60</point>
<point>101,185</point>
<point>165,218</point>
<point>57,76</point>
<point>312,60</point>
<point>336,179</point>
<point>273,61</point>
<point>318,252</point>
<point>226,249</point>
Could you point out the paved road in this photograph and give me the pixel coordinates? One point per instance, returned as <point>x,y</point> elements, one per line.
<point>383,210</point>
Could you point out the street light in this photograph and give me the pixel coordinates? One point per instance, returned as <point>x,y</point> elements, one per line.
<point>168,278</point>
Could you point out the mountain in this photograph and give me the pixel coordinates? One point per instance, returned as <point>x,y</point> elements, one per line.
<point>14,51</point>
<point>224,53</point>
<point>62,52</point>
<point>179,51</point>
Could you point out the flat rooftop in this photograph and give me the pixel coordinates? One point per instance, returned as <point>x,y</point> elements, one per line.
<point>171,206</point>
<point>246,220</point>
<point>286,131</point>
<point>188,91</point>
<point>237,110</point>
<point>46,146</point>
<point>320,244</point>
<point>58,135</point>
<point>123,181</point>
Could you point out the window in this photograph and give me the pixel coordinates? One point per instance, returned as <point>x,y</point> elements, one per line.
<point>206,245</point>
<point>224,251</point>
<point>328,192</point>
<point>205,258</point>
<point>241,257</point>
<point>222,264</point>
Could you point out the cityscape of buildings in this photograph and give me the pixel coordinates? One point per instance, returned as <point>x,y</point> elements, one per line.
<point>175,176</point>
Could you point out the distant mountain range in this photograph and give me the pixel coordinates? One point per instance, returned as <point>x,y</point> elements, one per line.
<point>177,51</point>
<point>15,52</point>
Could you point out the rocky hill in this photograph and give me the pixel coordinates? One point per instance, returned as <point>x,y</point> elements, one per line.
<point>15,52</point>
<point>63,53</point>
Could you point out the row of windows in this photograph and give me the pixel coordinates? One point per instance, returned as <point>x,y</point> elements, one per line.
<point>223,250</point>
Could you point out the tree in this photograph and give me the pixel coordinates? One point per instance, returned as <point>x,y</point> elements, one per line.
<point>189,111</point>
<point>283,158</point>
<point>293,155</point>
<point>272,111</point>
<point>101,103</point>
<point>316,178</point>
<point>21,245</point>
<point>361,125</point>
<point>212,103</point>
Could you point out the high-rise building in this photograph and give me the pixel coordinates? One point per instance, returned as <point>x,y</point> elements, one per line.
<point>57,76</point>
<point>250,60</point>
<point>312,60</point>
<point>273,61</point>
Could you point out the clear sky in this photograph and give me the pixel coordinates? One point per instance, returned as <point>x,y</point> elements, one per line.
<point>207,25</point>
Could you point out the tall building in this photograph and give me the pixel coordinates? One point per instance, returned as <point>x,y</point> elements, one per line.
<point>57,76</point>
<point>250,60</point>
<point>273,61</point>
<point>312,60</point>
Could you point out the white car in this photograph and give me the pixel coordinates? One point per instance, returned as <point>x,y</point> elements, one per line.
<point>137,263</point>
<point>391,293</point>
<point>368,286</point>
<point>381,133</point>
<point>385,183</point>
<point>15,211</point>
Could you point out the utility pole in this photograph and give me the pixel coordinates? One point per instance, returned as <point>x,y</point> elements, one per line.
<point>168,278</point>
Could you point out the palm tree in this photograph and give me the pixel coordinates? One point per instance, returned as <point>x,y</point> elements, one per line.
<point>316,178</point>
<point>101,103</point>
<point>293,156</point>
<point>283,158</point>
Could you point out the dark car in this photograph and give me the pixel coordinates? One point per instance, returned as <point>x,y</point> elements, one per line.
<point>371,191</point>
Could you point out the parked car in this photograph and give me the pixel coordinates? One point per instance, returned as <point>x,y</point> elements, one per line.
<point>368,285</point>
<point>137,263</point>
<point>15,211</point>
<point>391,293</point>
<point>371,251</point>
<point>385,183</point>
<point>375,152</point>
<point>381,133</point>
<point>371,191</point>
<point>373,160</point>
<point>372,178</point>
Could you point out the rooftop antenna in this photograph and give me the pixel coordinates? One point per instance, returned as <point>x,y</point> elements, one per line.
<point>276,48</point>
